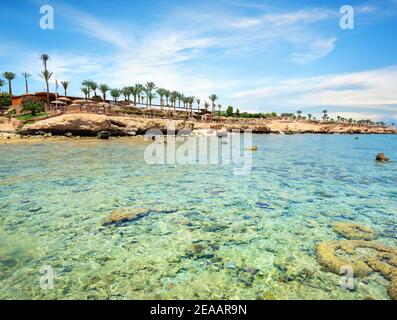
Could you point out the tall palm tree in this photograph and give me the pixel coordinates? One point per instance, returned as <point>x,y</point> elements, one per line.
<point>185,101</point>
<point>198,100</point>
<point>115,93</point>
<point>213,98</point>
<point>174,97</point>
<point>46,75</point>
<point>191,101</point>
<point>161,93</point>
<point>167,96</point>
<point>2,84</point>
<point>149,97</point>
<point>94,87</point>
<point>104,88</point>
<point>299,114</point>
<point>133,92</point>
<point>26,76</point>
<point>85,91</point>
<point>180,98</point>
<point>206,105</point>
<point>219,108</point>
<point>44,57</point>
<point>125,91</point>
<point>88,84</point>
<point>65,85</point>
<point>9,76</point>
<point>138,91</point>
<point>149,87</point>
<point>325,115</point>
<point>310,116</point>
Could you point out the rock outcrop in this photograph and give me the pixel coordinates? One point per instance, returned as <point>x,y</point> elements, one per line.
<point>382,158</point>
<point>87,124</point>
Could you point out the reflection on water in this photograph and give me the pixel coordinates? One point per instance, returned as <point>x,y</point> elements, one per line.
<point>212,235</point>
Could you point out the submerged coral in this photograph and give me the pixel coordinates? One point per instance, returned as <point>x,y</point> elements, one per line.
<point>377,258</point>
<point>125,215</point>
<point>354,231</point>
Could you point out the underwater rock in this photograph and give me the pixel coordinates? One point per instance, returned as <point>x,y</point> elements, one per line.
<point>125,215</point>
<point>262,205</point>
<point>392,290</point>
<point>354,231</point>
<point>383,261</point>
<point>382,158</point>
<point>253,148</point>
<point>267,295</point>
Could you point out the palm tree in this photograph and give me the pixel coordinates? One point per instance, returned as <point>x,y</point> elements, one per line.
<point>213,98</point>
<point>138,91</point>
<point>191,101</point>
<point>180,98</point>
<point>219,107</point>
<point>46,75</point>
<point>299,114</point>
<point>161,93</point>
<point>26,76</point>
<point>104,88</point>
<point>206,105</point>
<point>88,84</point>
<point>198,100</point>
<point>94,87</point>
<point>325,115</point>
<point>115,93</point>
<point>9,76</point>
<point>310,116</point>
<point>45,58</point>
<point>185,101</point>
<point>149,97</point>
<point>174,97</point>
<point>85,91</point>
<point>149,87</point>
<point>126,93</point>
<point>167,96</point>
<point>65,85</point>
<point>2,84</point>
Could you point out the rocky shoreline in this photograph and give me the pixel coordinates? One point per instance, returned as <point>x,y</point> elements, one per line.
<point>85,124</point>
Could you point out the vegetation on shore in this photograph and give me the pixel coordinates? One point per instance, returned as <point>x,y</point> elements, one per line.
<point>145,94</point>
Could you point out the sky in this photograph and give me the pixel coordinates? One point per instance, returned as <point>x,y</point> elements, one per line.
<point>258,56</point>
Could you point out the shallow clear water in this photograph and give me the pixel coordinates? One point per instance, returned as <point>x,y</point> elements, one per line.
<point>208,239</point>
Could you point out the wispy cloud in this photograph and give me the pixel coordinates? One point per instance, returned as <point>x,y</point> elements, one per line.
<point>373,89</point>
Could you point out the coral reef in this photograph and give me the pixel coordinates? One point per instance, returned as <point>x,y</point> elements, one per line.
<point>125,215</point>
<point>376,258</point>
<point>354,231</point>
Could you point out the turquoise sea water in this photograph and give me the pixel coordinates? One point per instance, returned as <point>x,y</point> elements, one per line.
<point>208,238</point>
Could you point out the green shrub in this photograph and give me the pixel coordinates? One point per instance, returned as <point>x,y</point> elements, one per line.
<point>5,100</point>
<point>33,107</point>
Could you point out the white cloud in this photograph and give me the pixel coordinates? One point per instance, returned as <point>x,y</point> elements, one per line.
<point>318,48</point>
<point>373,89</point>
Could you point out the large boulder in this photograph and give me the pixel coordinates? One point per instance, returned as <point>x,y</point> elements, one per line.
<point>382,158</point>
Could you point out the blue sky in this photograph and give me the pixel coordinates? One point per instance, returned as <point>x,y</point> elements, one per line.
<point>256,55</point>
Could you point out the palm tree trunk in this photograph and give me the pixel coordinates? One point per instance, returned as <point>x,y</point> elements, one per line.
<point>26,86</point>
<point>48,94</point>
<point>9,88</point>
